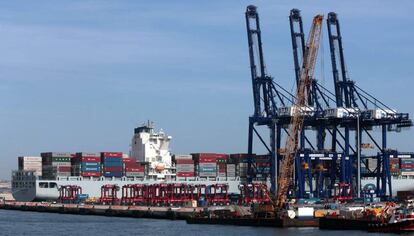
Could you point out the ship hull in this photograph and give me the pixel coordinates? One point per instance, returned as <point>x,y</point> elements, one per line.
<point>48,190</point>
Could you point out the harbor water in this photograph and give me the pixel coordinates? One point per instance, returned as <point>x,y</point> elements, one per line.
<point>34,223</point>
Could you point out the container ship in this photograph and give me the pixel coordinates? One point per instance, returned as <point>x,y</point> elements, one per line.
<point>151,162</point>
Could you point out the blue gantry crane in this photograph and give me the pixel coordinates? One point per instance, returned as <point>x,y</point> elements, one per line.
<point>327,154</point>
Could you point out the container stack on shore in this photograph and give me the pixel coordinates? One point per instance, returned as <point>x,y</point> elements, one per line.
<point>56,164</point>
<point>132,168</point>
<point>407,166</point>
<point>184,165</point>
<point>31,164</point>
<point>112,164</point>
<point>86,164</point>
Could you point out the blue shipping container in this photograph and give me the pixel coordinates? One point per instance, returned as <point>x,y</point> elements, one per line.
<point>407,170</point>
<point>208,169</point>
<point>112,159</point>
<point>90,164</point>
<point>407,161</point>
<point>112,164</point>
<point>91,169</point>
<point>113,174</point>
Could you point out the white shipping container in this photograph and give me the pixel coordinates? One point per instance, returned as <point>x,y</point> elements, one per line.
<point>56,154</point>
<point>61,164</point>
<point>207,165</point>
<point>410,173</point>
<point>135,174</point>
<point>183,157</point>
<point>89,154</point>
<point>207,174</point>
<point>31,159</point>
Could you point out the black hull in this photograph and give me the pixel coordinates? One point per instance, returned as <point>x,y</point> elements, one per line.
<point>344,224</point>
<point>398,227</point>
<point>278,223</point>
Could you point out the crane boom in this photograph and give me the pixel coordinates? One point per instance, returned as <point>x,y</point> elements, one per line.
<point>297,120</point>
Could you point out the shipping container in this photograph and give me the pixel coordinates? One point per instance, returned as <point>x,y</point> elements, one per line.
<point>112,174</point>
<point>90,174</point>
<point>112,154</point>
<point>113,169</point>
<point>88,154</point>
<point>406,161</point>
<point>134,169</point>
<point>86,159</point>
<point>185,161</point>
<point>208,174</point>
<point>182,157</point>
<point>407,173</point>
<point>185,174</point>
<point>135,174</point>
<point>406,166</point>
<point>56,154</point>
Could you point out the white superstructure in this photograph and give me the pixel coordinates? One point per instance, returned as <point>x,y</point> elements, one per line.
<point>153,147</point>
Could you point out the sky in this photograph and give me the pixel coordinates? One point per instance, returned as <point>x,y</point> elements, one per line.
<point>80,75</point>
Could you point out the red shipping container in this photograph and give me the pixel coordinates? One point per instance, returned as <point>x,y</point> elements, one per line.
<point>407,166</point>
<point>185,174</point>
<point>113,169</point>
<point>184,162</point>
<point>111,154</point>
<point>132,169</point>
<point>129,160</point>
<point>222,156</point>
<point>93,174</point>
<point>64,168</point>
<point>134,165</point>
<point>90,159</point>
<point>394,160</point>
<point>207,160</point>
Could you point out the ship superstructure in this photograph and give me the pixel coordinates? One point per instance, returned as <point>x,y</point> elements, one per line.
<point>153,147</point>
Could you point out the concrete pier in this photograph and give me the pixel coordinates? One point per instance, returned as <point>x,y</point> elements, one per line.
<point>105,210</point>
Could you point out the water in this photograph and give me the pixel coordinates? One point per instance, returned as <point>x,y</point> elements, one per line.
<point>50,224</point>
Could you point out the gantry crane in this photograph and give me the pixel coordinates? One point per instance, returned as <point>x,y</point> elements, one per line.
<point>297,120</point>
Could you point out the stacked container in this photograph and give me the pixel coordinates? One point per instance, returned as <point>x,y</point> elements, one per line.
<point>394,166</point>
<point>184,165</point>
<point>241,159</point>
<point>112,164</point>
<point>407,166</point>
<point>132,168</point>
<point>31,164</point>
<point>222,167</point>
<point>231,170</point>
<point>207,163</point>
<point>263,166</point>
<point>86,164</point>
<point>55,164</point>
